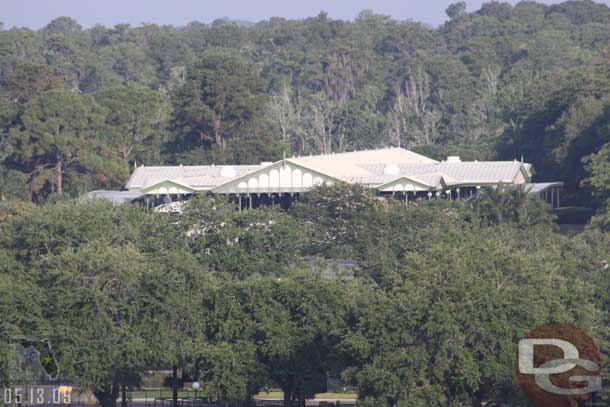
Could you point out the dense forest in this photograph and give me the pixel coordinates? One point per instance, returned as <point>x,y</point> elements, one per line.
<point>436,295</point>
<point>243,301</point>
<point>79,107</point>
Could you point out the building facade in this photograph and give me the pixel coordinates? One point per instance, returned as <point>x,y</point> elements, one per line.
<point>389,171</point>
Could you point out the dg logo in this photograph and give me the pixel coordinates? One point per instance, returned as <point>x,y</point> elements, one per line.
<point>558,365</point>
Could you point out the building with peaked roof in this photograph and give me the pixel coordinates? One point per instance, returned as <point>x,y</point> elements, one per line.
<point>394,171</point>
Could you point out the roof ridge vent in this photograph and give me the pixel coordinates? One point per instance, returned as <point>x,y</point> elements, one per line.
<point>454,159</point>
<point>227,171</point>
<point>391,169</point>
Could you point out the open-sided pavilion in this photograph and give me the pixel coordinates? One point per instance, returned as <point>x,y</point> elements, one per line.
<point>390,171</point>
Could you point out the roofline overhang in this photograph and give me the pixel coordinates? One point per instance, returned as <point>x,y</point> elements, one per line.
<point>171,181</point>
<point>307,167</point>
<point>274,165</point>
<point>133,175</point>
<point>412,180</point>
<point>524,171</point>
<point>548,185</point>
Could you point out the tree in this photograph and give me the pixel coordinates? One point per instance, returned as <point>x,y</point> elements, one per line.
<point>293,321</point>
<point>61,134</point>
<point>63,25</point>
<point>510,204</point>
<point>598,165</point>
<point>33,234</point>
<point>339,218</point>
<point>95,289</point>
<point>22,84</point>
<point>456,9</point>
<point>281,111</point>
<point>321,118</point>
<point>500,10</point>
<point>13,184</point>
<point>528,79</point>
<point>135,120</point>
<point>130,282</point>
<point>444,330</point>
<point>412,119</point>
<point>222,92</point>
<point>129,62</point>
<point>176,318</point>
<point>242,243</point>
<point>30,80</point>
<point>21,303</point>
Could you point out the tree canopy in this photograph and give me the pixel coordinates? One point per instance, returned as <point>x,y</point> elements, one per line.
<point>503,82</point>
<point>429,312</point>
<point>410,305</point>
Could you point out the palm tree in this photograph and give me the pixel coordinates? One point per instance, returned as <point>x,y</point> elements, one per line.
<point>509,204</point>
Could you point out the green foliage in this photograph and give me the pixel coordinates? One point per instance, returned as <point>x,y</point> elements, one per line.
<point>22,306</point>
<point>338,217</point>
<point>93,289</point>
<point>460,303</point>
<point>220,94</point>
<point>100,269</point>
<point>567,122</point>
<point>298,317</point>
<point>60,137</point>
<point>456,9</point>
<point>136,119</point>
<point>30,80</point>
<point>242,243</point>
<point>350,222</point>
<point>501,82</point>
<point>13,184</point>
<point>431,316</point>
<point>509,204</point>
<point>598,166</point>
<point>441,294</point>
<point>601,221</point>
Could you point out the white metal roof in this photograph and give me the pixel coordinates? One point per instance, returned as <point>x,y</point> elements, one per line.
<point>349,166</point>
<point>369,167</point>
<point>117,197</point>
<point>198,177</point>
<point>542,186</point>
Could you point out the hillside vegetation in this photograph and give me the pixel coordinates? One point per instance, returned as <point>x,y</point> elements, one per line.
<point>79,107</point>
